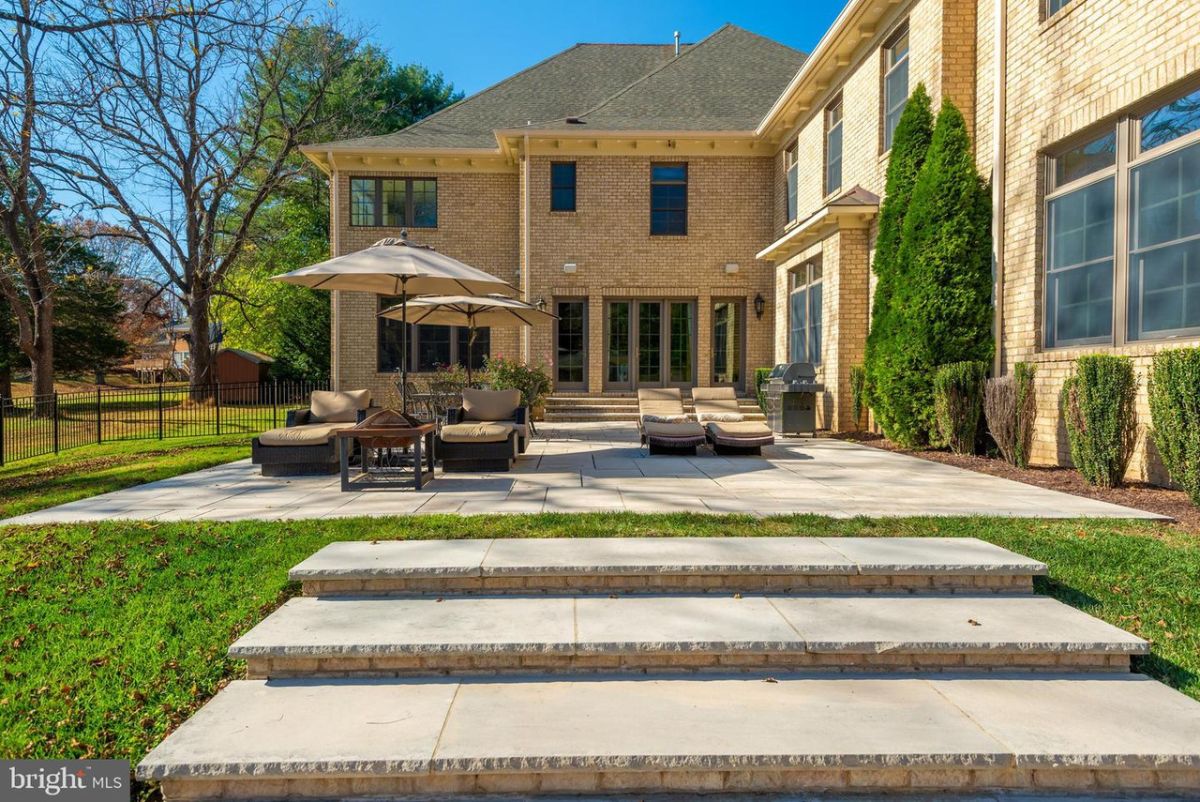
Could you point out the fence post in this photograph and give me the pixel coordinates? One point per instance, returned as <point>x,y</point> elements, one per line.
<point>54,411</point>
<point>160,412</point>
<point>2,405</point>
<point>274,403</point>
<point>99,419</point>
<point>217,395</point>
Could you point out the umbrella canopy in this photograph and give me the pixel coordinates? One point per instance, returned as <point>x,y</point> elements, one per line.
<point>493,311</point>
<point>464,310</point>
<point>396,267</point>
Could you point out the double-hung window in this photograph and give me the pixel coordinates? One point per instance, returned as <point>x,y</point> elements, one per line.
<point>895,82</point>
<point>668,199</point>
<point>791,169</point>
<point>804,313</point>
<point>393,202</point>
<point>1113,277</point>
<point>833,147</point>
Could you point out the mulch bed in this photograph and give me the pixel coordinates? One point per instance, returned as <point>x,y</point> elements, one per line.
<point>1139,495</point>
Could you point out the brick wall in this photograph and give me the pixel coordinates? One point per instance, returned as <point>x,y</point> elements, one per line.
<point>1084,66</point>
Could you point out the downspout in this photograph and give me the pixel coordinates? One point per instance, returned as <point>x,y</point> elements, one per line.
<point>999,183</point>
<point>335,218</point>
<point>525,332</point>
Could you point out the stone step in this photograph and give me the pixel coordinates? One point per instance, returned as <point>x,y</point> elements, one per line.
<point>419,636</point>
<point>361,738</point>
<point>607,565</point>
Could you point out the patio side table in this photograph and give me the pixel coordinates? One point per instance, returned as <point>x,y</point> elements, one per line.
<point>374,439</point>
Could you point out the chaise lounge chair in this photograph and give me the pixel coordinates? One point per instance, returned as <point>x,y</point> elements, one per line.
<point>305,444</point>
<point>664,426</point>
<point>485,434</point>
<point>725,425</point>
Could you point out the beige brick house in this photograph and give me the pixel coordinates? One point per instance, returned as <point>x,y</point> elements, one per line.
<point>693,214</point>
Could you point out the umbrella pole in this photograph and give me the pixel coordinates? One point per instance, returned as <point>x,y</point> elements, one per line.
<point>404,349</point>
<point>470,346</point>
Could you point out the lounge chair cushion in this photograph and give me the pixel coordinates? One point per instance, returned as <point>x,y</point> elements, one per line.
<point>724,417</point>
<point>334,406</point>
<point>476,432</point>
<point>739,430</point>
<point>674,430</point>
<point>661,401</point>
<point>490,405</point>
<point>310,434</point>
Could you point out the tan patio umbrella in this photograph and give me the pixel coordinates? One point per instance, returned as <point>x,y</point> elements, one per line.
<point>397,267</point>
<point>493,311</point>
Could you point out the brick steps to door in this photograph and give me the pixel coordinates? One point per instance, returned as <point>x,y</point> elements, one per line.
<point>357,738</point>
<point>656,565</point>
<point>593,408</point>
<point>420,636</point>
<point>353,697</point>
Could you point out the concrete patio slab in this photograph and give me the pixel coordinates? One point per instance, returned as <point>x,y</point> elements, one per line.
<point>880,555</point>
<point>879,624</point>
<point>348,626</point>
<point>288,727</point>
<point>717,723</point>
<point>598,467</point>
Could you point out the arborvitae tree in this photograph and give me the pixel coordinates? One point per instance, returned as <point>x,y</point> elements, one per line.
<point>940,310</point>
<point>909,148</point>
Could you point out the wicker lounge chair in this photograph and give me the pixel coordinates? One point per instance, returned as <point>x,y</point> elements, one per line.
<point>725,425</point>
<point>664,427</point>
<point>305,444</point>
<point>485,434</point>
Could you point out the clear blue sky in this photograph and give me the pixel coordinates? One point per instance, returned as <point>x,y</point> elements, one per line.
<point>476,44</point>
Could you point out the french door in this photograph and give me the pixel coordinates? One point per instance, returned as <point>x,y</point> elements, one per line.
<point>570,353</point>
<point>649,343</point>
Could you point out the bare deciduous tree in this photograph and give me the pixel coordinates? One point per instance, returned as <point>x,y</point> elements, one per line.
<point>184,119</point>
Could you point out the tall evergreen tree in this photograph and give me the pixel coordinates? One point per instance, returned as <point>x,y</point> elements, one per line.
<point>909,148</point>
<point>940,309</point>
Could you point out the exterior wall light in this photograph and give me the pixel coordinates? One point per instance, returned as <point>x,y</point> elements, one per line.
<point>570,267</point>
<point>760,305</point>
<point>540,303</point>
<point>731,267</point>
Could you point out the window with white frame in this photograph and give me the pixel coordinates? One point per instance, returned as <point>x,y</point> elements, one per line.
<point>833,147</point>
<point>1113,278</point>
<point>804,313</point>
<point>895,82</point>
<point>791,169</point>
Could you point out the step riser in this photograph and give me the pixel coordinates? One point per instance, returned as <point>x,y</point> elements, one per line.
<point>672,583</point>
<point>450,664</point>
<point>930,778</point>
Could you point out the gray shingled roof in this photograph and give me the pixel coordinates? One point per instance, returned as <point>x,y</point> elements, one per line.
<point>726,82</point>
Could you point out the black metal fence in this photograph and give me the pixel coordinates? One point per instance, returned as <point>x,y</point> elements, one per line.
<point>36,425</point>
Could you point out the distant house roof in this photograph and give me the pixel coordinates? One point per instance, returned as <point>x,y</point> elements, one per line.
<point>251,356</point>
<point>726,82</point>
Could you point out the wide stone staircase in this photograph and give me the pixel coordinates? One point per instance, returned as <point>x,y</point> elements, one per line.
<point>610,407</point>
<point>636,666</point>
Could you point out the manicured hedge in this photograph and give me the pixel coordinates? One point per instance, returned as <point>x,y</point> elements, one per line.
<point>958,401</point>
<point>858,393</point>
<point>1175,414</point>
<point>1010,407</point>
<point>1098,407</point>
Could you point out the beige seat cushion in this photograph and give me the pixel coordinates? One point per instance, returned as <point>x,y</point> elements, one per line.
<point>673,430</point>
<point>338,406</point>
<point>716,403</point>
<point>476,432</point>
<point>486,405</point>
<point>310,434</point>
<point>661,401</point>
<point>740,429</point>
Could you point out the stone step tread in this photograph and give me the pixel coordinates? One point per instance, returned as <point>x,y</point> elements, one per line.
<point>309,627</point>
<point>642,556</point>
<point>259,730</point>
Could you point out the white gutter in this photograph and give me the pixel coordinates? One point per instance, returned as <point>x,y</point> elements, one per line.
<point>335,215</point>
<point>999,184</point>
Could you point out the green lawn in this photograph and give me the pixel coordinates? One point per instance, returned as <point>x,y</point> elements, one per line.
<point>111,634</point>
<point>40,482</point>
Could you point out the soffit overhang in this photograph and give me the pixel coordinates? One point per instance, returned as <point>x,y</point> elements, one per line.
<point>817,226</point>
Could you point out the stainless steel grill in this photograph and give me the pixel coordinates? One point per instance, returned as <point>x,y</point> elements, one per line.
<point>792,389</point>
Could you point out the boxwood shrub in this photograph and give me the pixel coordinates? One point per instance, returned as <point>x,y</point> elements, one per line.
<point>1098,410</point>
<point>958,403</point>
<point>1175,415</point>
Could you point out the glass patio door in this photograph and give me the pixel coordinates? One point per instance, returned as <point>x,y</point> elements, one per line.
<point>650,343</point>
<point>728,331</point>
<point>570,360</point>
